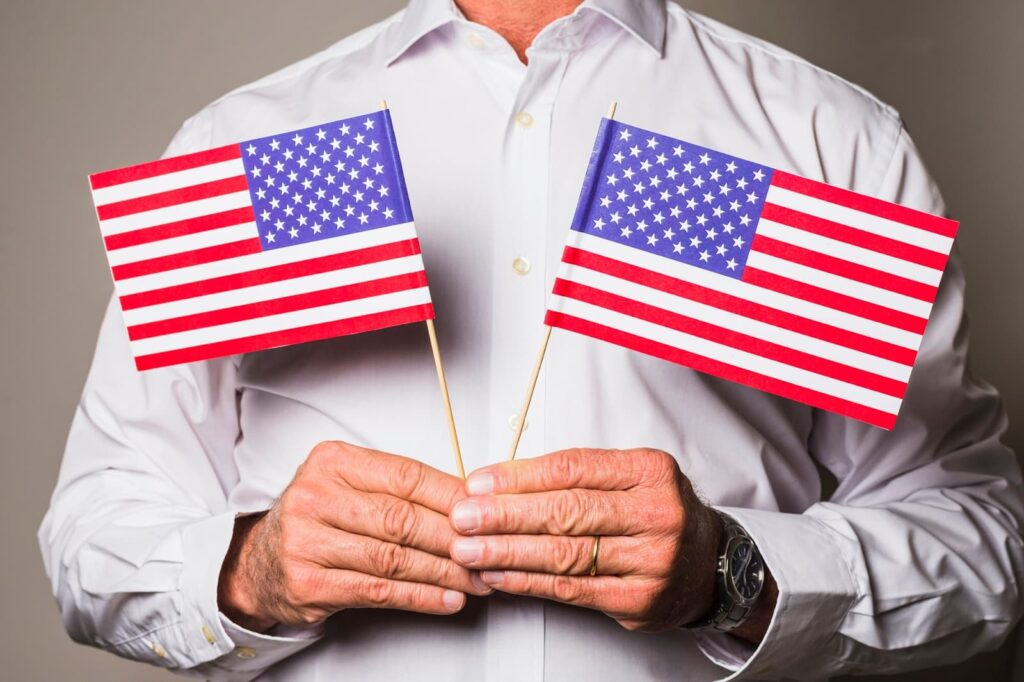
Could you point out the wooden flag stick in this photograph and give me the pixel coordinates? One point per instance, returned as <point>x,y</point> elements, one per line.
<point>521,419</point>
<point>443,383</point>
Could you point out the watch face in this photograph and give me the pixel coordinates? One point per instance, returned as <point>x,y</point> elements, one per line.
<point>746,570</point>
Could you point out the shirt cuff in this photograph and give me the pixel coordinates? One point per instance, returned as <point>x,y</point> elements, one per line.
<point>224,651</point>
<point>809,561</point>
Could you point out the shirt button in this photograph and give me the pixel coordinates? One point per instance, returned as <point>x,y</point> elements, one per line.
<point>521,266</point>
<point>158,650</point>
<point>524,119</point>
<point>513,421</point>
<point>476,41</point>
<point>245,652</point>
<point>208,634</point>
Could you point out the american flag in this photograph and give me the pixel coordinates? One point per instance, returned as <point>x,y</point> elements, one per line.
<point>274,241</point>
<point>751,274</point>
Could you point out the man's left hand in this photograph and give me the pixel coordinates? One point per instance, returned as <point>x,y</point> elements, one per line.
<point>530,526</point>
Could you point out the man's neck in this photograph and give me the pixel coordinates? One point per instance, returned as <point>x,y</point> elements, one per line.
<point>518,21</point>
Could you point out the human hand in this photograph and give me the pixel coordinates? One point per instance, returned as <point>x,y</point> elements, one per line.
<point>529,526</point>
<point>355,528</point>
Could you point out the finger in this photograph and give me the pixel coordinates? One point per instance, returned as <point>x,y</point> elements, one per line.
<point>343,589</point>
<point>395,562</point>
<point>561,512</point>
<point>576,468</point>
<point>600,592</point>
<point>557,555</point>
<point>387,518</point>
<point>379,472</point>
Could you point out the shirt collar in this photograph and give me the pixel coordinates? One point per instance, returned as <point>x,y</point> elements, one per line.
<point>643,19</point>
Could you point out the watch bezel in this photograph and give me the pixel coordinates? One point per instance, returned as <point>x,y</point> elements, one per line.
<point>729,555</point>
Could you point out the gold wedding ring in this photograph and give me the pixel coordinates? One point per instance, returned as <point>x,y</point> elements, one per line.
<point>593,555</point>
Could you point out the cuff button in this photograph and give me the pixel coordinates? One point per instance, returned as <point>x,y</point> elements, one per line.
<point>245,652</point>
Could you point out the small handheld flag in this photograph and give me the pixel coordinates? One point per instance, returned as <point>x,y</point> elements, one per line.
<point>270,242</point>
<point>749,273</point>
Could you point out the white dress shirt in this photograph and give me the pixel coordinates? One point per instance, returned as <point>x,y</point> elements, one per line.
<point>914,560</point>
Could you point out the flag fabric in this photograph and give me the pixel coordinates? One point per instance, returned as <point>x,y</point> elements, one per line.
<point>270,242</point>
<point>789,285</point>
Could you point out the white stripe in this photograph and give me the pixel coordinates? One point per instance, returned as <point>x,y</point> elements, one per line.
<point>188,242</point>
<point>171,214</point>
<point>284,321</point>
<point>168,181</point>
<point>273,290</point>
<point>841,285</point>
<point>266,259</point>
<point>860,220</point>
<point>727,354</point>
<point>734,287</point>
<point>738,323</point>
<point>849,252</point>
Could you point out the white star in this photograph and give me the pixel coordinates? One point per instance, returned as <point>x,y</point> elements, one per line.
<point>638,187</point>
<point>664,195</point>
<point>634,151</point>
<point>724,189</point>
<point>671,173</point>
<point>704,256</point>
<point>648,203</point>
<point>681,189</point>
<point>745,220</point>
<point>265,216</point>
<point>388,213</point>
<point>250,150</point>
<point>344,188</point>
<point>691,203</point>
<point>339,223</point>
<point>330,178</point>
<point>378,169</point>
<point>628,174</point>
<point>759,175</point>
<point>717,211</point>
<point>374,146</point>
<point>257,172</point>
<point>288,210</point>
<point>303,162</point>
<point>642,226</point>
<point>677,150</point>
<point>688,167</point>
<point>626,231</point>
<point>734,205</point>
<point>321,135</point>
<point>677,247</point>
<point>279,224</point>
<point>616,217</point>
<point>325,157</point>
<point>668,233</point>
<point>293,232</point>
<point>344,129</point>
<point>708,197</point>
<point>349,152</point>
<point>359,138</point>
<point>357,195</point>
<point>350,210</point>
<point>297,139</point>
<point>364,161</point>
<point>659,218</point>
<point>335,201</point>
<point>612,179</point>
<point>701,219</point>
<point>741,183</point>
<point>335,143</point>
<point>698,181</point>
<point>605,202</point>
<point>363,218</point>
<point>599,224</point>
<point>288,154</point>
<point>674,212</point>
<point>652,143</point>
<point>731,263</point>
<point>261,193</point>
<point>720,249</point>
<point>621,195</point>
<point>695,242</point>
<point>654,181</point>
<point>618,156</point>
<point>631,209</point>
<point>715,175</point>
<point>731,167</point>
<point>652,239</point>
<point>727,228</point>
<point>374,206</point>
<point>705,159</point>
<point>302,220</point>
<point>316,228</point>
<point>661,159</point>
<point>264,159</point>
<point>383,190</point>
<point>738,242</point>
<point>645,165</point>
<point>685,226</point>
<point>368,123</point>
<point>269,236</point>
<point>353,174</point>
<point>711,233</point>
<point>316,171</point>
<point>624,135</point>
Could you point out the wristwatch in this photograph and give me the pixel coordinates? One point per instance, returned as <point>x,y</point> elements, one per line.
<point>739,578</point>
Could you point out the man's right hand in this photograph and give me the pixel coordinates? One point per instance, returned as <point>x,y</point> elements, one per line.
<point>355,528</point>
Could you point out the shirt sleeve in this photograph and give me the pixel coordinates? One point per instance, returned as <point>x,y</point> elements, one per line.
<point>139,524</point>
<point>916,559</point>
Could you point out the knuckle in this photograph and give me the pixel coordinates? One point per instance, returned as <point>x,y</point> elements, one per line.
<point>296,585</point>
<point>399,521</point>
<point>564,469</point>
<point>298,500</point>
<point>378,593</point>
<point>323,452</point>
<point>405,477</point>
<point>568,507</point>
<point>566,589</point>
<point>567,556</point>
<point>388,560</point>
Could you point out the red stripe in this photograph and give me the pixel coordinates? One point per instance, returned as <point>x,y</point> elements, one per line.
<point>182,260</point>
<point>276,273</point>
<point>851,235</point>
<point>831,299</point>
<point>722,370</point>
<point>739,306</point>
<point>287,337</point>
<point>164,166</point>
<point>844,268</point>
<point>285,304</point>
<point>727,337</point>
<point>172,197</point>
<point>180,228</point>
<point>860,202</point>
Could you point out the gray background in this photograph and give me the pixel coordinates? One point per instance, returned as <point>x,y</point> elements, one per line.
<point>89,85</point>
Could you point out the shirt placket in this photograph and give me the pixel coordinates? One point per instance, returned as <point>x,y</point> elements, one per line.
<point>515,626</point>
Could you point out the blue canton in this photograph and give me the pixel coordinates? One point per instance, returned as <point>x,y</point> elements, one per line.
<point>672,198</point>
<point>326,181</point>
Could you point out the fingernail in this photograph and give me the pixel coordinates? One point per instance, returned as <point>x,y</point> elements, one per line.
<point>466,516</point>
<point>492,577</point>
<point>453,600</point>
<point>481,483</point>
<point>467,550</point>
<point>479,584</point>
